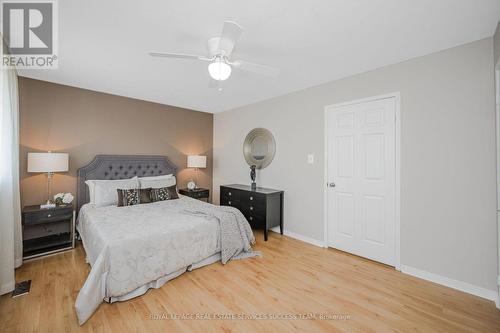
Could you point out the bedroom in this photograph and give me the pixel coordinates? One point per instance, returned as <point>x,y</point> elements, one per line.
<point>375,151</point>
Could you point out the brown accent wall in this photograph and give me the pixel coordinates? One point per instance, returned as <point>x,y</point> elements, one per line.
<point>84,123</point>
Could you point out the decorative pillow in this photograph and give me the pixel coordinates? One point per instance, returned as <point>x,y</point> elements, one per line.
<point>157,182</point>
<point>145,195</point>
<point>124,195</point>
<point>103,192</point>
<point>128,197</point>
<point>164,193</point>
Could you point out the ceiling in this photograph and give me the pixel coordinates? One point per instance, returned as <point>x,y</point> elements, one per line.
<point>104,45</point>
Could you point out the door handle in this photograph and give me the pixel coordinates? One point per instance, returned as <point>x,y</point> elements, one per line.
<point>332,184</point>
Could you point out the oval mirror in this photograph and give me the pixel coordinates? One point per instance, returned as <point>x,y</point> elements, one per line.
<point>259,148</point>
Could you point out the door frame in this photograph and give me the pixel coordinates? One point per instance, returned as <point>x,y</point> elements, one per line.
<point>497,151</point>
<point>397,183</point>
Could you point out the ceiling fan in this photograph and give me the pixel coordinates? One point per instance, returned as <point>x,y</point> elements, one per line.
<point>219,55</point>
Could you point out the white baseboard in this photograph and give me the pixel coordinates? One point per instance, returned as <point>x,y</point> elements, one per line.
<point>300,237</point>
<point>7,287</point>
<point>491,295</point>
<point>18,262</point>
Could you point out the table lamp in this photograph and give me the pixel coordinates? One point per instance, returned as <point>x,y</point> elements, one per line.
<point>196,162</point>
<point>48,163</point>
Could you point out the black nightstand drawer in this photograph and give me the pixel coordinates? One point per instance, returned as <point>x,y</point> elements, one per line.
<point>39,246</point>
<point>46,229</point>
<point>49,215</point>
<point>199,193</point>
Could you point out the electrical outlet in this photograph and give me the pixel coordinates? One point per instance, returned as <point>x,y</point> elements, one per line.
<point>310,159</point>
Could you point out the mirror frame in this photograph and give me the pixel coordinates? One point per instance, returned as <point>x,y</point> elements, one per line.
<point>247,147</point>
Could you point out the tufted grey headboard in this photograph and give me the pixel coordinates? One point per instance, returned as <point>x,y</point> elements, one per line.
<point>120,167</point>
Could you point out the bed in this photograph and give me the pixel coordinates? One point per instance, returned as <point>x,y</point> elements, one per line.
<point>134,248</point>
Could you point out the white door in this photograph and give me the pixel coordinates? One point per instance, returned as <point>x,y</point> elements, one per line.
<point>361,148</point>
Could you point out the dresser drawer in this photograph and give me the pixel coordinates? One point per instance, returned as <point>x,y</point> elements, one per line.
<point>255,221</point>
<point>253,198</point>
<point>228,201</point>
<point>229,194</point>
<point>254,208</point>
<point>48,216</point>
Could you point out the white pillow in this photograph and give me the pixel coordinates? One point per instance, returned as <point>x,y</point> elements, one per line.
<point>90,184</point>
<point>103,192</point>
<point>157,181</point>
<point>170,175</point>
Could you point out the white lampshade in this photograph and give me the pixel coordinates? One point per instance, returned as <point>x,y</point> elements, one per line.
<point>219,70</point>
<point>47,162</point>
<point>197,161</point>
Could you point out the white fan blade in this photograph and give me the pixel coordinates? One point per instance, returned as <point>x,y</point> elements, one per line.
<point>255,68</point>
<point>231,32</point>
<point>178,56</point>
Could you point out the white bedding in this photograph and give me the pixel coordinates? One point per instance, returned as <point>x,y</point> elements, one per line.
<point>134,248</point>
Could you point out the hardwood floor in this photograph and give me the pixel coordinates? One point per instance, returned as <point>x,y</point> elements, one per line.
<point>292,278</point>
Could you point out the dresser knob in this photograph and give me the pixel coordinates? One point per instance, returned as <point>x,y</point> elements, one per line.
<point>229,202</point>
<point>251,218</point>
<point>229,193</point>
<point>49,215</point>
<point>251,207</point>
<point>251,198</point>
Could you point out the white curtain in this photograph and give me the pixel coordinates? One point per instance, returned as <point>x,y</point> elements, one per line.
<point>10,206</point>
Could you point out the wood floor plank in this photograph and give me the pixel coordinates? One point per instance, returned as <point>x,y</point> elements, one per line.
<point>291,278</point>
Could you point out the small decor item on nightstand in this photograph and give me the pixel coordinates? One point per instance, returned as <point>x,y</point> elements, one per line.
<point>191,185</point>
<point>63,199</point>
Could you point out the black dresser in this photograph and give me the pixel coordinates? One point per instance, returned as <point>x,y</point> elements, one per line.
<point>262,207</point>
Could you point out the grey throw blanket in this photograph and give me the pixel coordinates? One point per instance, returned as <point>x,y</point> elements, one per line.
<point>236,236</point>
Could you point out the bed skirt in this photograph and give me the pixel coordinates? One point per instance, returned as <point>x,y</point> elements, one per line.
<point>93,293</point>
<point>164,279</point>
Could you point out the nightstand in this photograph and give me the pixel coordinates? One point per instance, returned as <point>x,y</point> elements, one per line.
<point>199,193</point>
<point>47,231</point>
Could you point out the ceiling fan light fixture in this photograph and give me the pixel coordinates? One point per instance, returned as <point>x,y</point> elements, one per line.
<point>219,70</point>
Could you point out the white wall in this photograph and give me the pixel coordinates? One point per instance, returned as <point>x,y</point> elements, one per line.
<point>496,38</point>
<point>448,201</point>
